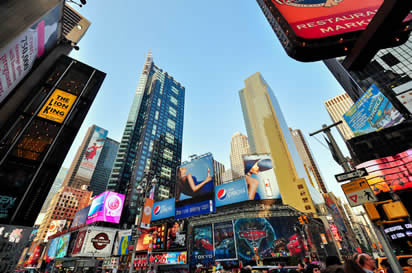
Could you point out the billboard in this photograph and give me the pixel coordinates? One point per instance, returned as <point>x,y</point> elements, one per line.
<point>195,187</point>
<point>230,193</point>
<point>55,227</point>
<point>168,258</point>
<point>57,106</point>
<point>394,171</point>
<point>145,238</point>
<point>13,240</point>
<point>202,251</point>
<point>163,209</point>
<point>147,213</point>
<point>106,207</point>
<point>98,242</point>
<point>371,112</point>
<point>51,252</point>
<point>176,235</point>
<point>79,242</point>
<point>80,217</point>
<point>272,237</point>
<point>72,242</point>
<point>92,154</point>
<point>18,57</point>
<point>159,237</point>
<point>63,245</point>
<point>121,245</point>
<point>260,177</point>
<point>224,241</point>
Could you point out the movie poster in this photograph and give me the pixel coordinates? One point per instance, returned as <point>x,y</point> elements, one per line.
<point>202,245</point>
<point>176,235</point>
<point>225,246</point>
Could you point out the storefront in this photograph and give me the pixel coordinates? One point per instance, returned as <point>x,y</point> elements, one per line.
<point>111,265</point>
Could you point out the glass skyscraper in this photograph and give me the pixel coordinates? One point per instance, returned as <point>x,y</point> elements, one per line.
<point>152,139</point>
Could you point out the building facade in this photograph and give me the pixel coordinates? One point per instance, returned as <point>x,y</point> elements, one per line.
<point>64,205</point>
<point>268,133</point>
<point>309,163</point>
<point>337,107</point>
<point>239,146</point>
<point>218,170</point>
<point>152,139</point>
<point>58,182</point>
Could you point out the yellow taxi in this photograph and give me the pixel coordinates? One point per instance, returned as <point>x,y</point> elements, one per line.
<point>405,261</point>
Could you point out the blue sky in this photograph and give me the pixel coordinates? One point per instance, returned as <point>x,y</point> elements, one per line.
<point>211,47</point>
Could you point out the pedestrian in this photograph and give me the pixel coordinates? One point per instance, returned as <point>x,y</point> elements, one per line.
<point>301,267</point>
<point>367,263</point>
<point>386,266</point>
<point>246,269</point>
<point>333,265</point>
<point>312,268</point>
<point>351,266</point>
<point>281,268</point>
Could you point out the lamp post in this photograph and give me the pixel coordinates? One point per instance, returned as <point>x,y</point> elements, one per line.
<point>143,188</point>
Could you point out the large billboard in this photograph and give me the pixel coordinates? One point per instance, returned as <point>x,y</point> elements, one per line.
<point>13,239</point>
<point>163,209</point>
<point>55,227</point>
<point>78,245</point>
<point>176,235</point>
<point>159,237</point>
<point>121,245</point>
<point>98,242</point>
<point>63,245</point>
<point>51,252</point>
<point>106,207</point>
<point>224,241</point>
<point>394,171</point>
<point>273,237</point>
<point>230,193</point>
<point>195,187</point>
<point>145,238</point>
<point>58,106</point>
<point>260,177</point>
<point>18,57</point>
<point>80,217</point>
<point>92,154</point>
<point>202,245</point>
<point>371,112</point>
<point>168,258</point>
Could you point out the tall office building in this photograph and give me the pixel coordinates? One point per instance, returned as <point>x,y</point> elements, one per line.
<point>309,163</point>
<point>239,146</point>
<point>86,160</point>
<point>268,133</point>
<point>104,166</point>
<point>218,170</point>
<point>152,138</point>
<point>58,182</point>
<point>390,70</point>
<point>336,108</point>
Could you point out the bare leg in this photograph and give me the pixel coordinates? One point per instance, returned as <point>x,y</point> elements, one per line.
<point>252,185</point>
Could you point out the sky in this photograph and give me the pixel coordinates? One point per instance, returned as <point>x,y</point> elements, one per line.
<point>210,47</point>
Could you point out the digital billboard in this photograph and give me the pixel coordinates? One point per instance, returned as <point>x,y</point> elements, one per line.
<point>98,242</point>
<point>163,209</point>
<point>18,57</point>
<point>55,227</point>
<point>106,207</point>
<point>92,154</point>
<point>80,217</point>
<point>195,187</point>
<point>168,258</point>
<point>230,193</point>
<point>224,241</point>
<point>63,245</point>
<point>371,112</point>
<point>121,244</point>
<point>394,171</point>
<point>72,242</point>
<point>260,177</point>
<point>159,237</point>
<point>145,238</point>
<point>272,237</point>
<point>51,252</point>
<point>176,235</point>
<point>79,242</point>
<point>202,245</point>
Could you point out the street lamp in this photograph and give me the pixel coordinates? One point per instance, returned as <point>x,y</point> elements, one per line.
<point>143,188</point>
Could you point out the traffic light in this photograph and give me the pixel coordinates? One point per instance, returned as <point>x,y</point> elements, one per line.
<point>301,221</point>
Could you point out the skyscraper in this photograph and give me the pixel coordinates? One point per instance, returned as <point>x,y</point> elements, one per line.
<point>268,133</point>
<point>58,182</point>
<point>218,170</point>
<point>336,108</point>
<point>239,146</point>
<point>390,69</point>
<point>152,138</point>
<point>308,160</point>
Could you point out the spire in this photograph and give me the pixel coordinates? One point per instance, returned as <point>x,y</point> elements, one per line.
<point>148,62</point>
<point>149,57</point>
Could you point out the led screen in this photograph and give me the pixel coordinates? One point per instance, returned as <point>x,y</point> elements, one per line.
<point>202,245</point>
<point>63,245</point>
<point>106,207</point>
<point>176,235</point>
<point>224,241</point>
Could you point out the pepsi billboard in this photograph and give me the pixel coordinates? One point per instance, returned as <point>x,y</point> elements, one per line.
<point>163,209</point>
<point>199,208</point>
<point>230,193</point>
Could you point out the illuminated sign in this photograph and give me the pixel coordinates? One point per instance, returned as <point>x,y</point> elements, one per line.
<point>230,193</point>
<point>106,207</point>
<point>57,106</point>
<point>163,209</point>
<point>168,258</point>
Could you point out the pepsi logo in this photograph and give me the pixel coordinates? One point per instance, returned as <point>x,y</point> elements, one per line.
<point>156,210</point>
<point>221,194</point>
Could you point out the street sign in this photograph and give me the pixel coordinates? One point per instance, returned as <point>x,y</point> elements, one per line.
<point>350,175</point>
<point>358,192</point>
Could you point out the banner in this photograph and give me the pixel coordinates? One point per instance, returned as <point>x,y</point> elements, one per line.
<point>147,213</point>
<point>371,112</point>
<point>230,193</point>
<point>62,246</point>
<point>121,245</point>
<point>204,207</point>
<point>18,57</point>
<point>55,227</point>
<point>176,235</point>
<point>202,245</point>
<point>224,241</point>
<point>92,154</point>
<point>163,209</point>
<point>260,177</point>
<point>106,207</point>
<point>79,242</point>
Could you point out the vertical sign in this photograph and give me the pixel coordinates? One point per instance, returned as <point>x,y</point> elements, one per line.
<point>57,106</point>
<point>147,213</point>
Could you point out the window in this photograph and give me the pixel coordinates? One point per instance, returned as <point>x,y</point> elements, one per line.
<point>300,186</point>
<point>170,138</point>
<point>175,90</point>
<point>171,124</point>
<point>168,154</point>
<point>157,115</point>
<point>159,102</point>
<point>308,207</point>
<point>305,200</point>
<point>172,111</point>
<point>173,100</point>
<point>154,129</point>
<point>166,172</point>
<point>151,146</point>
<point>389,59</point>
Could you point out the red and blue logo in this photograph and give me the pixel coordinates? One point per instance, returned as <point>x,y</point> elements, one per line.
<point>221,194</point>
<point>156,210</point>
